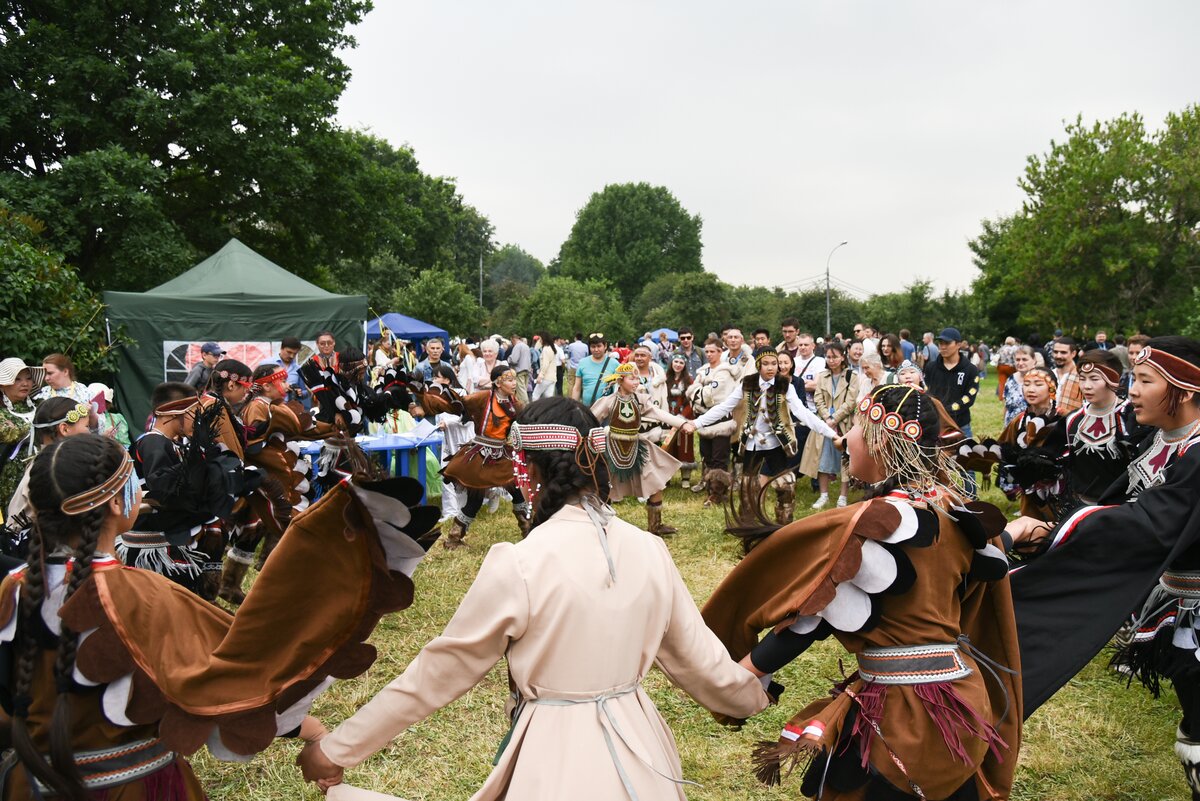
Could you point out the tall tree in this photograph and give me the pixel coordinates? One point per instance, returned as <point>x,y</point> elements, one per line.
<point>45,307</point>
<point>435,296</point>
<point>629,234</point>
<point>145,133</point>
<point>1106,236</point>
<point>562,305</point>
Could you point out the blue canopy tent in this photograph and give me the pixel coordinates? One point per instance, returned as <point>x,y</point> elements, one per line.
<point>404,327</point>
<point>672,336</point>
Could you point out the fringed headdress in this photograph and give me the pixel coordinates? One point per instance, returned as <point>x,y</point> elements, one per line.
<point>623,369</point>
<point>898,440</point>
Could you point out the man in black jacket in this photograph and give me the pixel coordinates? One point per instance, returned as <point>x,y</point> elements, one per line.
<point>954,381</point>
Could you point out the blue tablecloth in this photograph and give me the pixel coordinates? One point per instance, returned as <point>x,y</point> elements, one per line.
<point>394,447</point>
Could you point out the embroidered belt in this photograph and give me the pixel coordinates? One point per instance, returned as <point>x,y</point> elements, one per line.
<point>1181,583</point>
<point>492,450</point>
<point>912,664</point>
<point>118,765</point>
<point>144,539</point>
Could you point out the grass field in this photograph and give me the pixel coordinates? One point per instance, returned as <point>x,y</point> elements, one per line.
<point>1095,740</point>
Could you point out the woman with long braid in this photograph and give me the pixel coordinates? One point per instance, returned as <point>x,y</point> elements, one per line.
<point>581,608</point>
<point>115,710</point>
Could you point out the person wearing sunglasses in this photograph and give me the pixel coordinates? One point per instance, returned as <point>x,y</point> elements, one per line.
<point>691,354</point>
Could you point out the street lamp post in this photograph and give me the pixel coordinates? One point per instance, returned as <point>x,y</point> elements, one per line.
<point>828,325</point>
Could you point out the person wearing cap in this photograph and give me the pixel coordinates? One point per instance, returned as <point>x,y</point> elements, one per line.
<point>954,381</point>
<point>17,381</point>
<point>210,354</point>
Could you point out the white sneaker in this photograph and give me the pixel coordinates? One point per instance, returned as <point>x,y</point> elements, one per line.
<point>841,501</point>
<point>821,502</point>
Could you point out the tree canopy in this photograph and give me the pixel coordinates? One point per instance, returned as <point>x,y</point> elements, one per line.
<point>1106,236</point>
<point>146,135</point>
<point>629,234</point>
<point>45,307</point>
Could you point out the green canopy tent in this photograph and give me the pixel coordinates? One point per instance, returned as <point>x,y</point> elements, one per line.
<point>236,298</point>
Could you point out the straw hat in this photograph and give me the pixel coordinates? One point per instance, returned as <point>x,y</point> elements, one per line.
<point>11,367</point>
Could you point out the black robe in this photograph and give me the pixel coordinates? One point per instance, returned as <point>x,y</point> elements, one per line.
<point>1103,562</point>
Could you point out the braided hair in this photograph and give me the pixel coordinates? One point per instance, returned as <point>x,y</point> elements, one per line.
<point>50,410</point>
<point>565,474</point>
<point>64,468</point>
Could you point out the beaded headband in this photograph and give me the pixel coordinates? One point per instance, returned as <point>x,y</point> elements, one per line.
<point>235,376</point>
<point>627,368</point>
<point>875,413</point>
<point>177,406</point>
<point>1109,375</point>
<point>555,437</point>
<point>278,375</point>
<point>79,412</point>
<point>1178,372</point>
<point>96,496</point>
<point>762,353</point>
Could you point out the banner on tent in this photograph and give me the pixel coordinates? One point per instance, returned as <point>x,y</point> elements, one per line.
<point>180,357</point>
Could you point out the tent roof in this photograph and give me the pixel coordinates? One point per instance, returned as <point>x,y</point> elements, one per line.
<point>237,270</point>
<point>404,327</point>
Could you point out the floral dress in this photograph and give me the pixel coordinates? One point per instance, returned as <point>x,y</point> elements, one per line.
<point>15,422</point>
<point>1014,398</point>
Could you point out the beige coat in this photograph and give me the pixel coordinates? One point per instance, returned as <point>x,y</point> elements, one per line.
<point>570,633</point>
<point>710,386</point>
<point>840,406</point>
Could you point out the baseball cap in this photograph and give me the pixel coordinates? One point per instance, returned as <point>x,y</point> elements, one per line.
<point>213,348</point>
<point>950,335</point>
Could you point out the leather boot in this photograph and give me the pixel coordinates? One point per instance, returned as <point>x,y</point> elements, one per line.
<point>269,542</point>
<point>232,575</point>
<point>785,505</point>
<point>456,537</point>
<point>521,513</point>
<point>718,482</point>
<point>1188,751</point>
<point>785,498</point>
<point>654,523</point>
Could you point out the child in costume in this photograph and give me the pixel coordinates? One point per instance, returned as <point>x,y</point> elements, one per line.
<point>486,461</point>
<point>636,466</point>
<point>580,609</point>
<point>680,446</point>
<point>912,583</point>
<point>1139,546</point>
<point>100,708</point>
<point>1032,448</point>
<point>1101,436</point>
<point>768,437</point>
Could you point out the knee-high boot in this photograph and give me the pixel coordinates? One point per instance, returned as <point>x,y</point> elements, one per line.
<point>654,523</point>
<point>233,574</point>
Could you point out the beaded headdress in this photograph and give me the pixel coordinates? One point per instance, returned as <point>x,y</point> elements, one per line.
<point>1179,372</point>
<point>894,438</point>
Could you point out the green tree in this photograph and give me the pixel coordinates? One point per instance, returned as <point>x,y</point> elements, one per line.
<point>562,305</point>
<point>435,296</point>
<point>510,267</point>
<point>147,134</point>
<point>698,300</point>
<point>45,307</point>
<point>629,234</point>
<point>1106,235</point>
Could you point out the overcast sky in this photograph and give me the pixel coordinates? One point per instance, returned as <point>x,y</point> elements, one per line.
<point>787,126</point>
